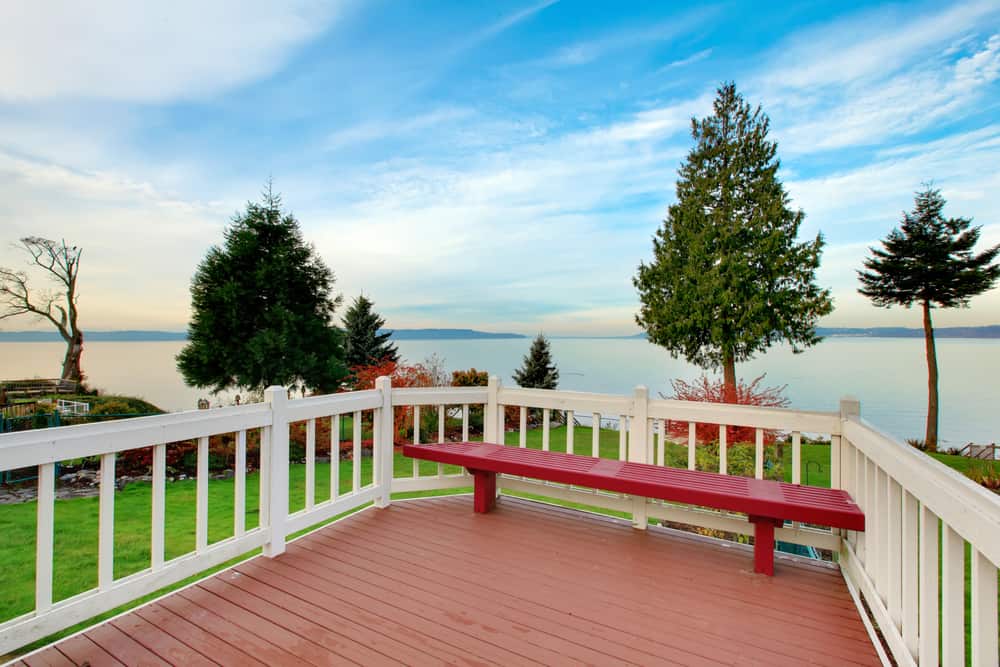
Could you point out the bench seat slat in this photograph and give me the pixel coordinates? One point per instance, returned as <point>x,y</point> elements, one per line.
<point>759,498</point>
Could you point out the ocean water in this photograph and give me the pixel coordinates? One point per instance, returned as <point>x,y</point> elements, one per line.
<point>888,375</point>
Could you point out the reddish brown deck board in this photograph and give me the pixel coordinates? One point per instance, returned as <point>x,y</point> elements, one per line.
<point>50,657</point>
<point>430,582</point>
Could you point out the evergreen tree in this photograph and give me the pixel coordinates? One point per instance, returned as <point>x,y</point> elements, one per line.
<point>929,260</point>
<point>363,344</point>
<point>538,371</point>
<point>262,309</point>
<point>728,278</point>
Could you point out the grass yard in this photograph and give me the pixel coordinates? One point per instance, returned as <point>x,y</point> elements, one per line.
<point>76,520</point>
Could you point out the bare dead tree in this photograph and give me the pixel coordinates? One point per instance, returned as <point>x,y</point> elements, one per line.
<point>62,264</point>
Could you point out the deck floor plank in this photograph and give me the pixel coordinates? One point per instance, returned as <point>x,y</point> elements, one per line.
<point>82,650</point>
<point>50,657</point>
<point>428,582</point>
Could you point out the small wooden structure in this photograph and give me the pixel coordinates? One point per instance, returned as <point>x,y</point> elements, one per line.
<point>37,387</point>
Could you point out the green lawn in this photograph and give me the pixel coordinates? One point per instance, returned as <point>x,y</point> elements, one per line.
<point>76,520</point>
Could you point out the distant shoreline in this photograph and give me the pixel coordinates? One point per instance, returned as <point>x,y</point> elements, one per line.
<point>159,336</point>
<point>984,332</point>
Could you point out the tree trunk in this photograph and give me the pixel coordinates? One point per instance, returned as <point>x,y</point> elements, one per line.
<point>71,362</point>
<point>931,437</point>
<point>728,377</point>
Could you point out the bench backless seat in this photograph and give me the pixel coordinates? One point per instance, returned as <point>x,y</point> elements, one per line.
<point>767,503</point>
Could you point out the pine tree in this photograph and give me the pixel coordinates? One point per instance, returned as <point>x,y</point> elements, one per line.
<point>537,370</point>
<point>364,345</point>
<point>929,261</point>
<point>728,278</point>
<point>262,309</point>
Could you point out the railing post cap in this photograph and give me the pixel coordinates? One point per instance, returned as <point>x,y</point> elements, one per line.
<point>849,406</point>
<point>383,380</point>
<point>275,391</point>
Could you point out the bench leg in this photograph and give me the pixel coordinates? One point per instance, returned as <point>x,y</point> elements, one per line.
<point>485,495</point>
<point>763,543</point>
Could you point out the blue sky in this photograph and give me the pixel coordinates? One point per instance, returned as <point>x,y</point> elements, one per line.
<point>493,165</point>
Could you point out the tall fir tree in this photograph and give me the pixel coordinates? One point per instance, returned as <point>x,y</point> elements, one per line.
<point>363,344</point>
<point>538,371</point>
<point>262,308</point>
<point>728,279</point>
<point>929,260</point>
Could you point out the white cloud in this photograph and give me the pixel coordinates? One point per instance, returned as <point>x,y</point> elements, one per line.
<point>587,51</point>
<point>871,44</point>
<point>690,60</point>
<point>377,130</point>
<point>148,52</point>
<point>873,112</point>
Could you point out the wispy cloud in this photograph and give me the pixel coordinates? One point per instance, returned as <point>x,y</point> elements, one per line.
<point>394,128</point>
<point>587,51</point>
<point>690,60</point>
<point>123,50</point>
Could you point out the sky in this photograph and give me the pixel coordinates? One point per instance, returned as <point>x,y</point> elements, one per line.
<point>499,166</point>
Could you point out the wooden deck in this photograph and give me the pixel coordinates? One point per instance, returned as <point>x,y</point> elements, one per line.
<point>428,582</point>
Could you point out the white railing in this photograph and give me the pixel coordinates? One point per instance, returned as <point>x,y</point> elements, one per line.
<point>893,564</point>
<point>928,527</point>
<point>44,448</point>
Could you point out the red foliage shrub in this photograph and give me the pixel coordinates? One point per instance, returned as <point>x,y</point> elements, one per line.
<point>401,375</point>
<point>706,390</point>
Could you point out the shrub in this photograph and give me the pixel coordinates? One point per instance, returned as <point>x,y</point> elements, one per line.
<point>705,390</point>
<point>985,474</point>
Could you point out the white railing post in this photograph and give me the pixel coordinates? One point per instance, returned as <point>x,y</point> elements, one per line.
<point>491,418</point>
<point>637,447</point>
<point>382,443</point>
<point>849,407</point>
<point>277,473</point>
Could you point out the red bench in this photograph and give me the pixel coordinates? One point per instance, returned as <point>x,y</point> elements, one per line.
<point>767,503</point>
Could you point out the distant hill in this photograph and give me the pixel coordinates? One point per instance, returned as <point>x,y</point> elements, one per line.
<point>91,336</point>
<point>991,331</point>
<point>137,336</point>
<point>448,334</point>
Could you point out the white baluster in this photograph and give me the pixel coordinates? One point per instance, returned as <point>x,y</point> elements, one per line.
<point>758,454</point>
<point>310,464</point>
<point>45,531</point>
<point>984,611</point>
<point>106,520</point>
<point>356,453</point>
<point>239,485</point>
<point>416,438</point>
<point>723,451</point>
<point>334,457</point>
<point>159,504</point>
<point>622,437</point>
<point>796,457</point>
<point>546,424</point>
<point>201,499</point>
<point>692,443</point>
<point>930,533</point>
<point>952,597</point>
<point>910,551</point>
<point>569,432</point>
<point>595,434</point>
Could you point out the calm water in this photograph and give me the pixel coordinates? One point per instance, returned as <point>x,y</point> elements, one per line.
<point>887,375</point>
